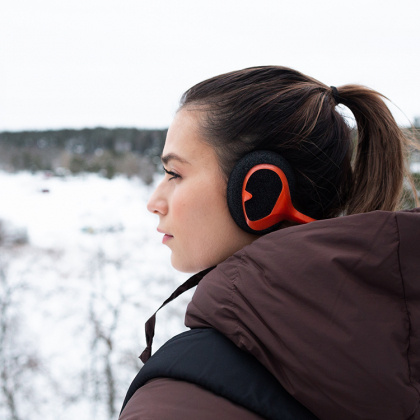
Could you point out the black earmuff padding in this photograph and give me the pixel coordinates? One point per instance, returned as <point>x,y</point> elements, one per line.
<point>264,185</point>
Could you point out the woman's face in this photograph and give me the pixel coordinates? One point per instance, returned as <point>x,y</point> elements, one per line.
<point>191,200</point>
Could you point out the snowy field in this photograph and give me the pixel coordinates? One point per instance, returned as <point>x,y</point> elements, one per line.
<point>75,297</point>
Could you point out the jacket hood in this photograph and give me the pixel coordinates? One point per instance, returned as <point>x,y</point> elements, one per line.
<point>331,309</point>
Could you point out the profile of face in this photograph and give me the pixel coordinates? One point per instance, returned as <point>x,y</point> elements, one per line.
<point>191,200</point>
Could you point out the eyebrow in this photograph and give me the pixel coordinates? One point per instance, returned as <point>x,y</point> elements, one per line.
<point>172,156</point>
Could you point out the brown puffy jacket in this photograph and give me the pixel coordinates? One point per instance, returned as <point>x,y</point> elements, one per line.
<point>331,309</point>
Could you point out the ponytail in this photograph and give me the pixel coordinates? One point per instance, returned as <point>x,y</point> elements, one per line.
<point>379,160</point>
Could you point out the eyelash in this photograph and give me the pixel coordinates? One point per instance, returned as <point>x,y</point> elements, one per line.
<point>172,174</point>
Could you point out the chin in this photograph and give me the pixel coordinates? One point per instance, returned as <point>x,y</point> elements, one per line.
<point>181,265</point>
<point>187,267</point>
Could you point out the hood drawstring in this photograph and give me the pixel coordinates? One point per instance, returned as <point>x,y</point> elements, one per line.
<point>151,322</point>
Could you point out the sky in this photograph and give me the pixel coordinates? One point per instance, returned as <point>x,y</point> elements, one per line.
<point>126,63</point>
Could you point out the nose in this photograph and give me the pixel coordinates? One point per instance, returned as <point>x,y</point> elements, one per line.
<point>157,203</point>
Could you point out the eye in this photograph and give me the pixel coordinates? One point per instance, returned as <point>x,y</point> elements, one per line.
<point>172,174</point>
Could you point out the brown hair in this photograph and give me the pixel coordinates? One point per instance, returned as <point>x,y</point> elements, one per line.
<point>279,109</point>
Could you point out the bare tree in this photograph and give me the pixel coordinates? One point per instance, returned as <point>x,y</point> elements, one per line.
<point>107,303</point>
<point>16,361</point>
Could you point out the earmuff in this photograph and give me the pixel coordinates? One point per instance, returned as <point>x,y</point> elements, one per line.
<point>259,193</point>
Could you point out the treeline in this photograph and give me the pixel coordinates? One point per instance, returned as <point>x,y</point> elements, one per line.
<point>107,151</point>
<point>129,151</point>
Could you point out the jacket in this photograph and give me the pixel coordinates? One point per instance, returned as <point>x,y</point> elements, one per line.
<point>331,309</point>
<point>206,358</point>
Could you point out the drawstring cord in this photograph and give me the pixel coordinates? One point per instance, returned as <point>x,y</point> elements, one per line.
<point>151,322</point>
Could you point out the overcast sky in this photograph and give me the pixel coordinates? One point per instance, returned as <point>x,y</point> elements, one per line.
<point>86,63</point>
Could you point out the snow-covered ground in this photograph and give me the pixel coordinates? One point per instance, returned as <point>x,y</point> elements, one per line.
<point>79,293</point>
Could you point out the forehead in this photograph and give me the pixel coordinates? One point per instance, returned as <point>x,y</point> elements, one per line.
<point>184,139</point>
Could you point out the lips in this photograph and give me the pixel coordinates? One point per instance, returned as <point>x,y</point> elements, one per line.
<point>166,236</point>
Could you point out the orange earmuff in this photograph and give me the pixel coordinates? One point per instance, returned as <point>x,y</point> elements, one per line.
<point>260,191</point>
<point>282,210</point>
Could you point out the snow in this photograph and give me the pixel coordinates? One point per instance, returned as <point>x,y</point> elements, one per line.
<point>94,270</point>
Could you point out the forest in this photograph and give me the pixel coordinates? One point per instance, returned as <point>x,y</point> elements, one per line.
<point>106,151</point>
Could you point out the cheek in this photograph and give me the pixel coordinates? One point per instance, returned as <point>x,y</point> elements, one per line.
<point>212,231</point>
<point>200,203</point>
<point>205,233</point>
<point>200,220</point>
<point>209,212</point>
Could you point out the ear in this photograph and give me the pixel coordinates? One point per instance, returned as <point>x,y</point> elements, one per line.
<point>259,192</point>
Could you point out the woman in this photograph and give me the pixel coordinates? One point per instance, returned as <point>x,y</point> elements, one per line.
<point>306,314</point>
